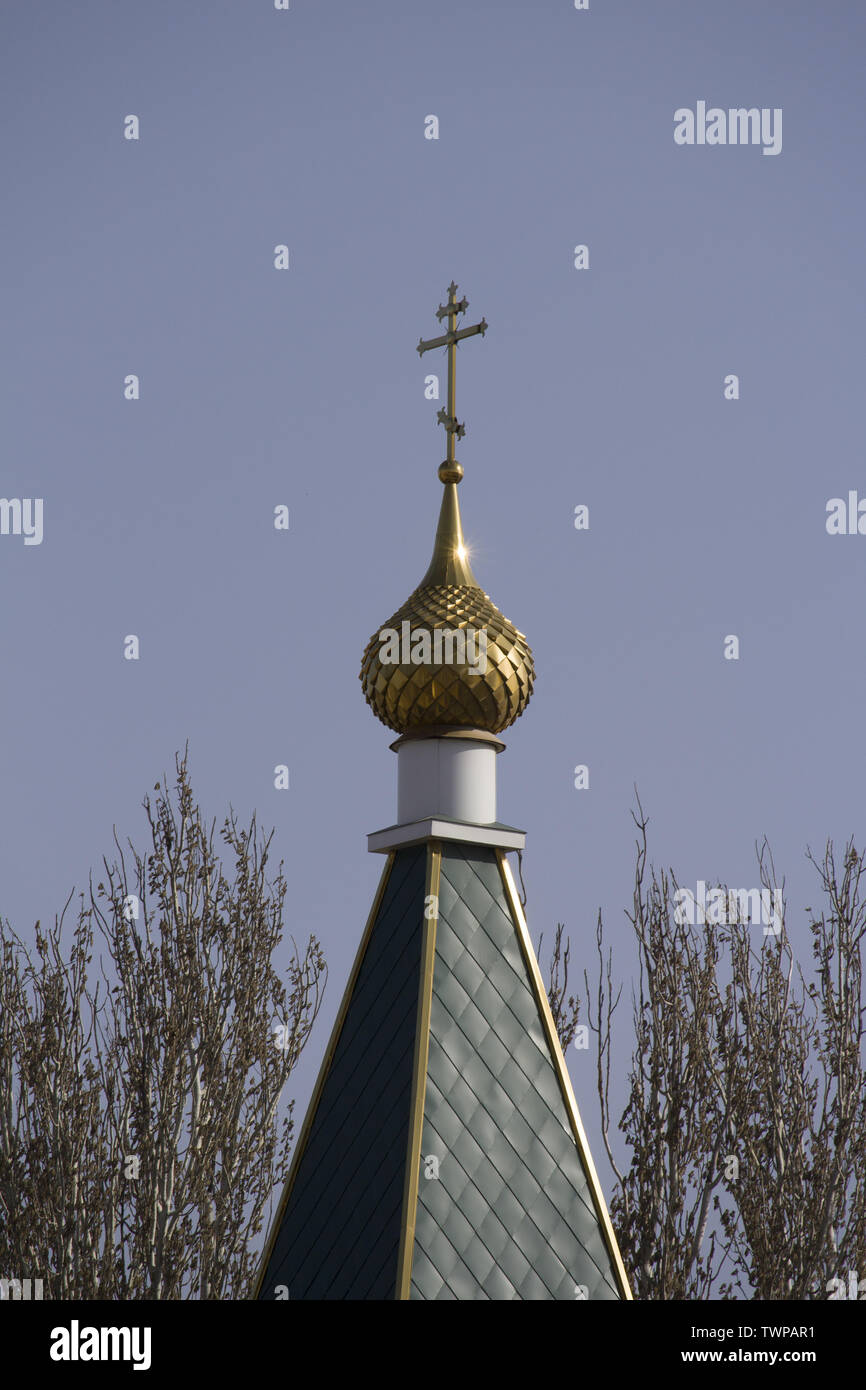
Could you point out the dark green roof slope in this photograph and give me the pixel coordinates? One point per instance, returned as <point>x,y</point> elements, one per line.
<point>507,1211</point>
<point>511,1215</point>
<point>339,1234</point>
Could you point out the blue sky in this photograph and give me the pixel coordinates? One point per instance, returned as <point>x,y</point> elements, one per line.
<point>601,387</point>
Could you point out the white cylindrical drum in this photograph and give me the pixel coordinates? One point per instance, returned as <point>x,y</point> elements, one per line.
<point>449,776</point>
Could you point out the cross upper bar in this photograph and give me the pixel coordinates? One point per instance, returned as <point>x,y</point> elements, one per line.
<point>456,308</point>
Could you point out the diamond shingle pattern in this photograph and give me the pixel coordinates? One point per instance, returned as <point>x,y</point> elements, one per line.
<point>340,1231</point>
<point>511,1214</point>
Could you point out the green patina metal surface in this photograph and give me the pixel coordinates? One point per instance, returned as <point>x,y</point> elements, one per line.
<point>506,1210</point>
<point>340,1231</point>
<point>510,1215</point>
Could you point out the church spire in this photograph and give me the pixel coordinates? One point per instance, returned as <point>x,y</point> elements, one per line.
<point>443,1155</point>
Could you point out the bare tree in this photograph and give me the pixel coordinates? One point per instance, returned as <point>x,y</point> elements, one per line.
<point>797,1219</point>
<point>564,1007</point>
<point>139,1133</point>
<point>676,1117</point>
<point>745,1113</point>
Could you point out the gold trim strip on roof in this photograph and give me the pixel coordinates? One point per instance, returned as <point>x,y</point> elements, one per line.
<point>323,1074</point>
<point>563,1076</point>
<point>419,1073</point>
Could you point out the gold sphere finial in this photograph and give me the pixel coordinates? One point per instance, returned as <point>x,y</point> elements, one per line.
<point>450,472</point>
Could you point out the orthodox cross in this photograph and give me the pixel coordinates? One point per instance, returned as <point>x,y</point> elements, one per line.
<point>450,340</point>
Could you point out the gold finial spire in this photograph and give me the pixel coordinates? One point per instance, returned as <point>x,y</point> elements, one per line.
<point>450,562</point>
<point>419,691</point>
<point>450,471</point>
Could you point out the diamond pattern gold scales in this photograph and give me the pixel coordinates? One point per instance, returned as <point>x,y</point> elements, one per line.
<point>411,697</point>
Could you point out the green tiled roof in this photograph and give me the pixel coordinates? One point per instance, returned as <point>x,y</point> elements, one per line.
<point>510,1212</point>
<point>339,1233</point>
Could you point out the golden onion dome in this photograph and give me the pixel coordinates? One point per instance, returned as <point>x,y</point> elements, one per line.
<point>477,673</point>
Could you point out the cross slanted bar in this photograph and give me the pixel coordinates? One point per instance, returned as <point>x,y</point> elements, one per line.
<point>453,428</point>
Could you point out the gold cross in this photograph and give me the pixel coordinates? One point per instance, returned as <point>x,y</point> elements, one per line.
<point>450,340</point>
